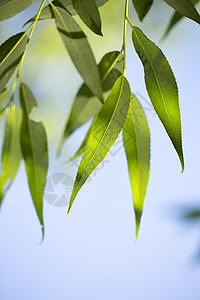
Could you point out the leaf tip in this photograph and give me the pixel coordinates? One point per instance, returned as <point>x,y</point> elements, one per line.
<point>138,215</point>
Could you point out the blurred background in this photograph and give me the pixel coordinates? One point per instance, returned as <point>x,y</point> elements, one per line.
<point>92,253</point>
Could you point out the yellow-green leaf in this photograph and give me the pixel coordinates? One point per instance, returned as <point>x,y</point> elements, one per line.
<point>11,153</point>
<point>136,137</point>
<point>34,150</point>
<point>161,86</point>
<point>105,130</point>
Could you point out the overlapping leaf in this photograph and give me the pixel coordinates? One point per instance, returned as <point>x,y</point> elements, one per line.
<point>142,7</point>
<point>185,8</point>
<point>11,154</point>
<point>47,12</point>
<point>89,13</point>
<point>79,49</point>
<point>105,130</point>
<point>85,104</point>
<point>10,8</point>
<point>136,137</point>
<point>11,52</point>
<point>161,87</point>
<point>34,150</point>
<point>176,17</point>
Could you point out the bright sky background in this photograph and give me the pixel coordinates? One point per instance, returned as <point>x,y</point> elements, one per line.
<point>92,254</point>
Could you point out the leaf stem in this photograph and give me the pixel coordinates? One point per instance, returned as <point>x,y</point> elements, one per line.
<point>29,38</point>
<point>124,34</point>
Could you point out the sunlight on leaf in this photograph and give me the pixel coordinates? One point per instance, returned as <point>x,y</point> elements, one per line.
<point>34,150</point>
<point>161,86</point>
<point>136,137</point>
<point>105,130</point>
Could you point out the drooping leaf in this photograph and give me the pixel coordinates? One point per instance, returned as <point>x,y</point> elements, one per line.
<point>10,8</point>
<point>136,137</point>
<point>185,8</point>
<point>47,12</point>
<point>34,150</point>
<point>142,7</point>
<point>11,52</point>
<point>4,96</point>
<point>89,13</point>
<point>105,130</point>
<point>11,153</point>
<point>79,49</point>
<point>85,104</point>
<point>161,86</point>
<point>176,17</point>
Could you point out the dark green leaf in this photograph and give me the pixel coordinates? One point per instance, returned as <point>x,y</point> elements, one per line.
<point>161,86</point>
<point>85,104</point>
<point>10,8</point>
<point>79,49</point>
<point>142,7</point>
<point>185,8</point>
<point>136,138</point>
<point>89,13</point>
<point>105,130</point>
<point>47,12</point>
<point>11,154</point>
<point>34,150</point>
<point>11,52</point>
<point>176,18</point>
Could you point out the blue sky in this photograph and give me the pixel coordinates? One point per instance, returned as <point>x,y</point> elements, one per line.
<point>92,253</point>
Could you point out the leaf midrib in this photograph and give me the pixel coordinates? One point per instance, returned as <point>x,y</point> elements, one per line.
<point>120,91</point>
<point>157,83</point>
<point>30,135</point>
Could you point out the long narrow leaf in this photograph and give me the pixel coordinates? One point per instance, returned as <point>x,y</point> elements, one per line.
<point>176,17</point>
<point>34,150</point>
<point>89,13</point>
<point>10,8</point>
<point>161,87</point>
<point>136,137</point>
<point>79,49</point>
<point>185,8</point>
<point>107,127</point>
<point>11,52</point>
<point>85,104</point>
<point>11,154</point>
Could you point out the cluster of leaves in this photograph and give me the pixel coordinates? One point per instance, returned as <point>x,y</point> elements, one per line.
<point>104,96</point>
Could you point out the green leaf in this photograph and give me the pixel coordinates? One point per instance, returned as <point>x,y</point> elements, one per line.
<point>161,86</point>
<point>47,12</point>
<point>34,150</point>
<point>176,17</point>
<point>136,137</point>
<point>85,104</point>
<point>106,128</point>
<point>4,96</point>
<point>79,49</point>
<point>10,8</point>
<point>89,13</point>
<point>11,52</point>
<point>84,143</point>
<point>142,7</point>
<point>185,8</point>
<point>11,153</point>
